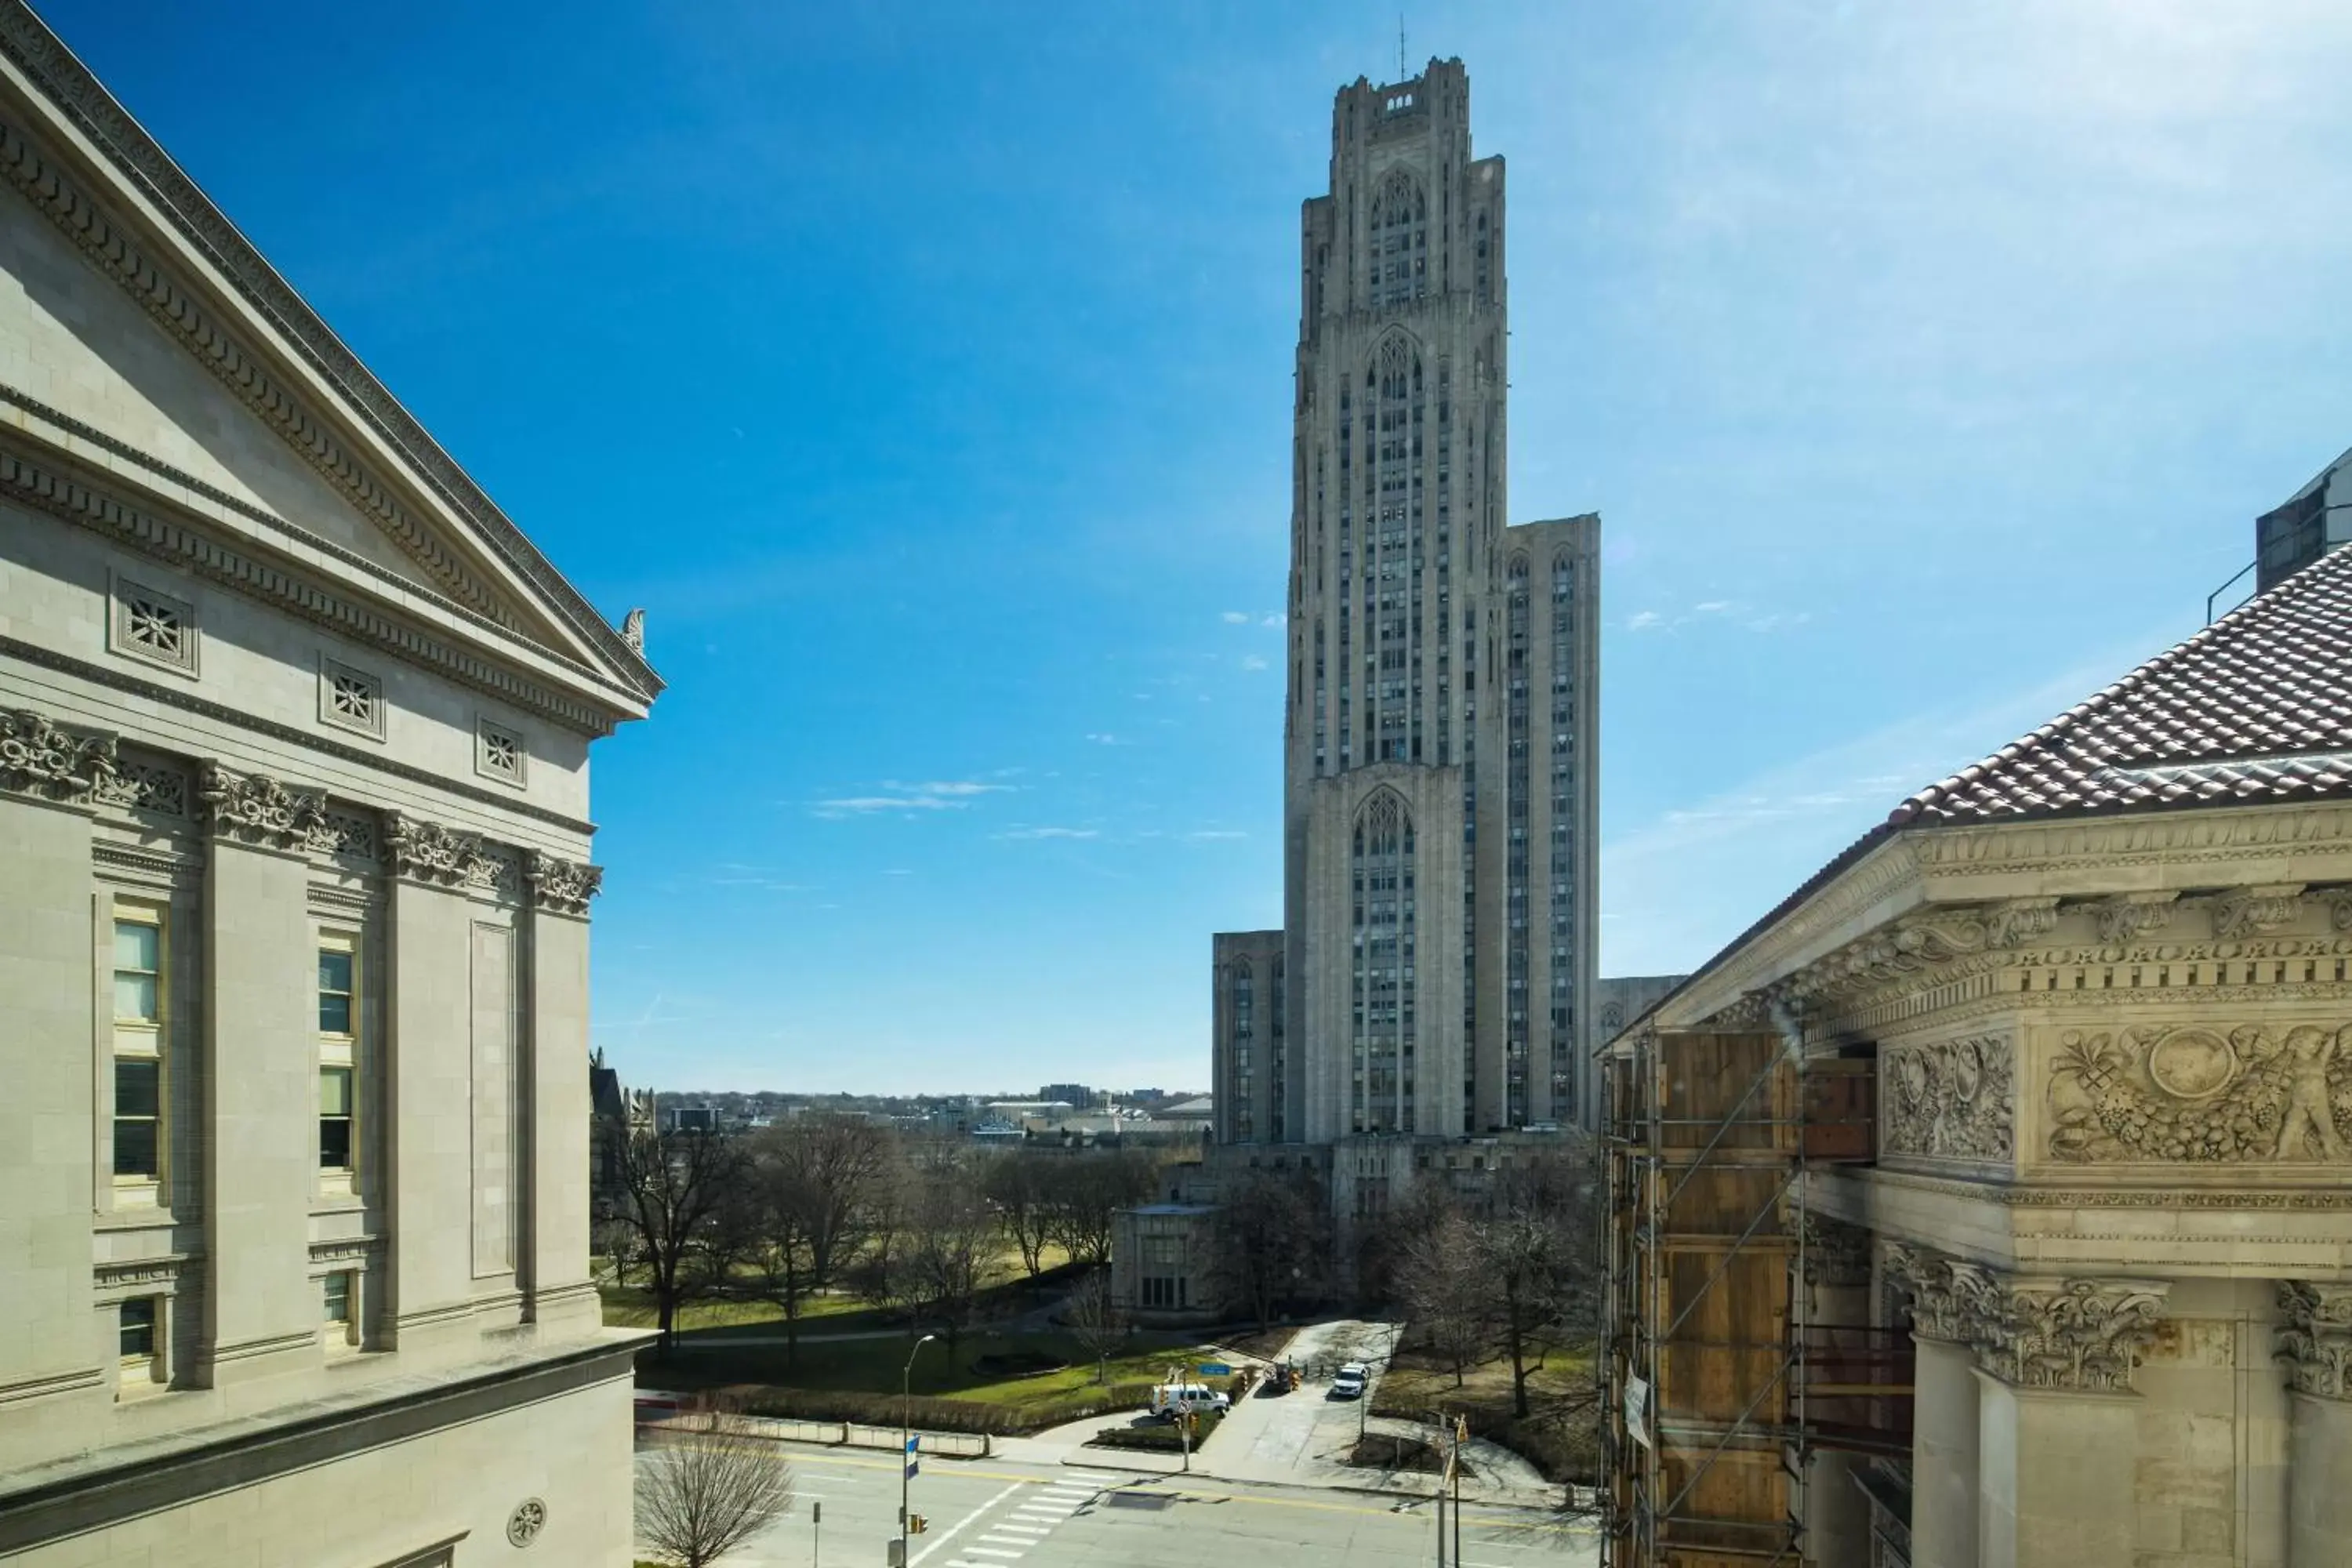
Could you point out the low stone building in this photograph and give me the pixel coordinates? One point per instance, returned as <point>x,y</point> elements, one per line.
<point>294,885</point>
<point>2098,988</point>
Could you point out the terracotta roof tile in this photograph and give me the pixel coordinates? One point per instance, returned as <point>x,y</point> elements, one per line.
<point>2258,706</point>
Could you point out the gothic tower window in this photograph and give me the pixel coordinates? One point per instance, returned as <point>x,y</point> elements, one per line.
<point>1399,241</point>
<point>1380,1083</point>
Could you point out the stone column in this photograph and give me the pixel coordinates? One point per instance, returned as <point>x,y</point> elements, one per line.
<point>2316,1343</point>
<point>555,1112</point>
<point>2059,1420</point>
<point>261,1078</point>
<point>1837,1282</point>
<point>1944,1436</point>
<point>49,1171</point>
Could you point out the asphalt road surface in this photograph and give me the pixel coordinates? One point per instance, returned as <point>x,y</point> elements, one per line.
<point>993,1513</point>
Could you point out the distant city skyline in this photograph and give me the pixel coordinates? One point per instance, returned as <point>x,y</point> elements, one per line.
<point>935,415</point>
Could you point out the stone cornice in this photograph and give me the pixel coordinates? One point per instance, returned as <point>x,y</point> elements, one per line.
<point>30,481</point>
<point>255,809</point>
<point>147,169</point>
<point>172,695</point>
<point>2316,1338</point>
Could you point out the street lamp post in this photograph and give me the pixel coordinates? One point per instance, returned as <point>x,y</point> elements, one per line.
<point>906,1438</point>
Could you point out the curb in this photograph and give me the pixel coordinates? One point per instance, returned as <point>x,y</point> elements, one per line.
<point>1091,1463</point>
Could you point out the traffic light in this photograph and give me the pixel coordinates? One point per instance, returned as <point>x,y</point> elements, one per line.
<point>917,1524</point>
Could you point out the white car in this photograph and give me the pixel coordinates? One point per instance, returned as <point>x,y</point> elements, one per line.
<point>1351,1380</point>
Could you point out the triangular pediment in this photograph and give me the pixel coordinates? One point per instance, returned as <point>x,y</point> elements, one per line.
<point>141,334</point>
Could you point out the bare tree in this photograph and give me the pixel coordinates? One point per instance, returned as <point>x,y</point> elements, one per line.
<point>1271,1241</point>
<point>1094,1318</point>
<point>1089,1191</point>
<point>1440,1285</point>
<point>947,1256</point>
<point>710,1484</point>
<point>1022,1186</point>
<point>673,1187</point>
<point>1530,1249</point>
<point>842,1166</point>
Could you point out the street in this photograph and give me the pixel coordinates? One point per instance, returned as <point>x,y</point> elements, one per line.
<point>998,1513</point>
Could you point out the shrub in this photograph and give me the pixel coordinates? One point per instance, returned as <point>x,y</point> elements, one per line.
<point>1161,1437</point>
<point>928,1412</point>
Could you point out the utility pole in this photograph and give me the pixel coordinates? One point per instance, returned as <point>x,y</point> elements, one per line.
<point>907,1443</point>
<point>816,1533</point>
<point>1461,1436</point>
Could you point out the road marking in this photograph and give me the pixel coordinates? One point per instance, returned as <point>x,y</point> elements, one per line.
<point>1028,1530</point>
<point>992,1551</point>
<point>997,1538</point>
<point>941,1539</point>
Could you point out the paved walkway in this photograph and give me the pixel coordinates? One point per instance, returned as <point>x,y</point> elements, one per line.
<point>1301,1438</point>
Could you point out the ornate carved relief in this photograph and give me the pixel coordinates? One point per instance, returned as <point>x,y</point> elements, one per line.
<point>1836,1254</point>
<point>143,784</point>
<point>348,833</point>
<point>2020,921</point>
<point>2032,1332</point>
<point>2068,1333</point>
<point>427,852</point>
<point>1956,1100</point>
<point>2132,915</point>
<point>2192,1094</point>
<point>37,758</point>
<point>563,885</point>
<point>2316,1341</point>
<point>254,808</point>
<point>2250,911</point>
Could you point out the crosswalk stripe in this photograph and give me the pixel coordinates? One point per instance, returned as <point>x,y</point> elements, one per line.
<point>994,1539</point>
<point>1029,1529</point>
<point>993,1552</point>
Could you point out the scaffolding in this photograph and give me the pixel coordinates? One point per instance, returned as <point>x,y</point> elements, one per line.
<point>1718,1389</point>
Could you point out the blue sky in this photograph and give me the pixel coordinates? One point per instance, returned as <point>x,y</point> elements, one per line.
<point>924,371</point>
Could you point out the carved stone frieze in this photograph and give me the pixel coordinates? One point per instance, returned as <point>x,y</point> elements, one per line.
<point>2020,921</point>
<point>2197,1095</point>
<point>254,808</point>
<point>147,784</point>
<point>565,886</point>
<point>38,758</point>
<point>2315,1339</point>
<point>422,851</point>
<point>1837,1254</point>
<point>1955,1099</point>
<point>2130,916</point>
<point>2085,1334</point>
<point>2248,912</point>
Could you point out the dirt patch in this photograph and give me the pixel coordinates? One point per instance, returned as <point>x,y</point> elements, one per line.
<point>1384,1453</point>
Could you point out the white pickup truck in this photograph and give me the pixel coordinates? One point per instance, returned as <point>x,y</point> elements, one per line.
<point>1169,1400</point>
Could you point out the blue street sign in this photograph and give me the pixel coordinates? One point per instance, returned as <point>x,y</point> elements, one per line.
<point>914,1442</point>
<point>913,1469</point>
<point>1215,1369</point>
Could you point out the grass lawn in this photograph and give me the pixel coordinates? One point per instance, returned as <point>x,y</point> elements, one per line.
<point>982,1371</point>
<point>1557,1435</point>
<point>632,1307</point>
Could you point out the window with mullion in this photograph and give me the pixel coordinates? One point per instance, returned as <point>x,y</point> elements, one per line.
<point>339,1031</point>
<point>139,1005</point>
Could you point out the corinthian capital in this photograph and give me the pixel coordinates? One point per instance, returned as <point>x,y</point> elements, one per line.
<point>2316,1338</point>
<point>2085,1334</point>
<point>37,758</point>
<point>253,808</point>
<point>565,886</point>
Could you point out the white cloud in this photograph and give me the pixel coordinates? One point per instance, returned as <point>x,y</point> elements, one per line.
<point>1104,740</point>
<point>1203,835</point>
<point>1251,661</point>
<point>948,794</point>
<point>1643,620</point>
<point>1276,619</point>
<point>1049,833</point>
<point>897,871</point>
<point>1236,618</point>
<point>1711,607</point>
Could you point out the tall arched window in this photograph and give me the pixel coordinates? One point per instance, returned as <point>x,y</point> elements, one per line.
<point>1515,701</point>
<point>1380,1087</point>
<point>1563,881</point>
<point>1399,241</point>
<point>1395,403</point>
<point>1243,991</point>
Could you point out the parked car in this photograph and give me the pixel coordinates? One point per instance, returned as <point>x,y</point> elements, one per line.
<point>1169,1400</point>
<point>1349,1383</point>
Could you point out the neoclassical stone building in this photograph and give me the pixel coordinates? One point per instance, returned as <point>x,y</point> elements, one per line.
<point>2099,983</point>
<point>294,885</point>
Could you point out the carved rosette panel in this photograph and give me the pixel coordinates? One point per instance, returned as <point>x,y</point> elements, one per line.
<point>2316,1341</point>
<point>1953,1101</point>
<point>39,759</point>
<point>2201,1096</point>
<point>253,808</point>
<point>565,886</point>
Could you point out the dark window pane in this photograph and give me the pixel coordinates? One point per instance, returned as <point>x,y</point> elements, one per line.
<point>334,969</point>
<point>335,1142</point>
<point>334,1014</point>
<point>138,1086</point>
<point>134,1149</point>
<point>139,1326</point>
